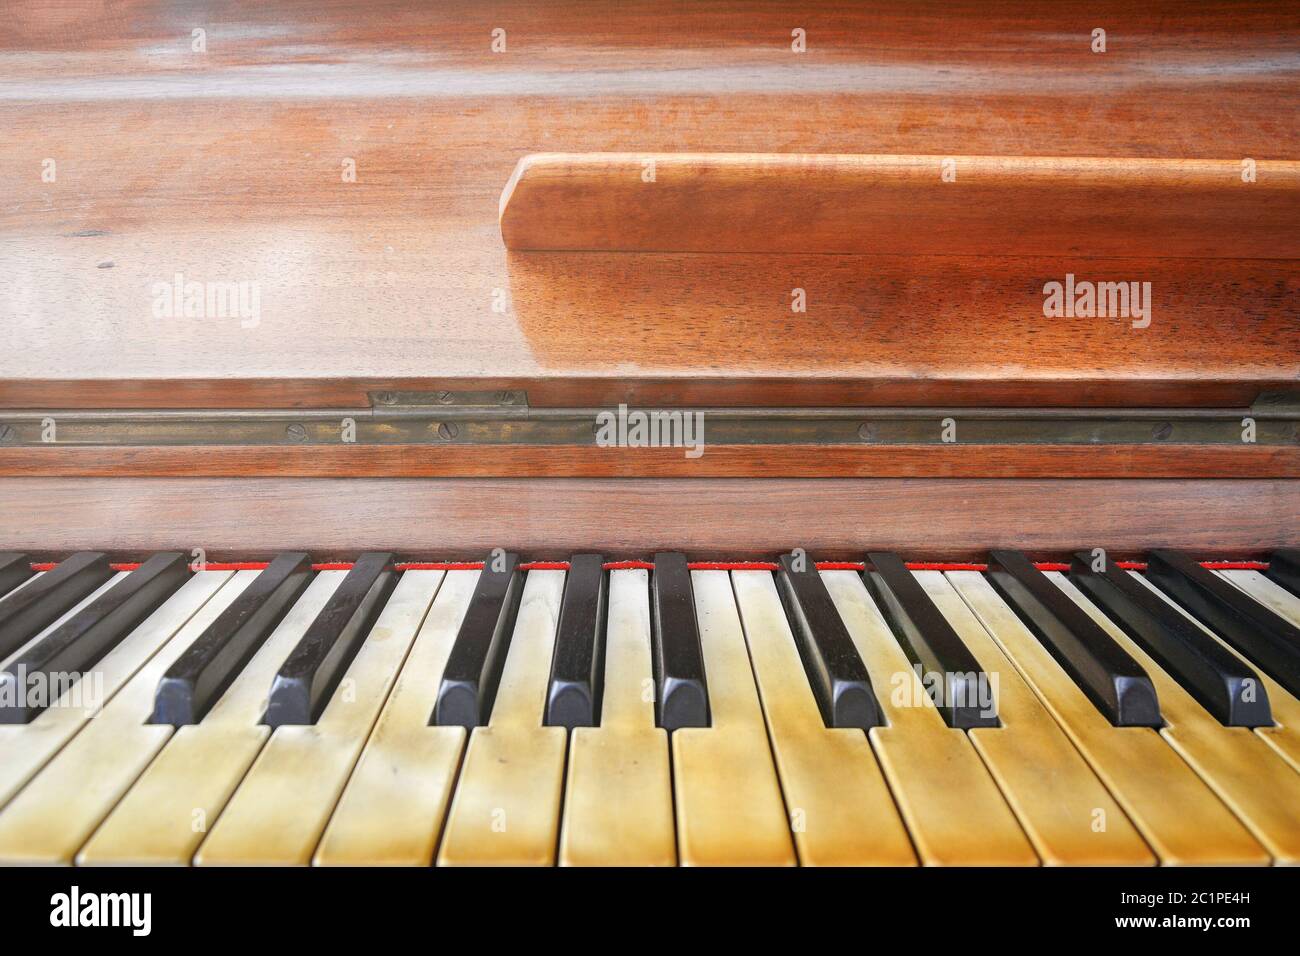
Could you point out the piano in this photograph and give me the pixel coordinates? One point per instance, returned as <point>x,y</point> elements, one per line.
<point>652,434</point>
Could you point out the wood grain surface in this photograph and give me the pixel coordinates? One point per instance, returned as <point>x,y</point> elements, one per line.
<point>226,166</point>
<point>831,518</point>
<point>797,203</point>
<point>718,461</point>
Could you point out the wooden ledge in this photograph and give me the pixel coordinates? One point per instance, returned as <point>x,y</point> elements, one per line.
<point>902,205</point>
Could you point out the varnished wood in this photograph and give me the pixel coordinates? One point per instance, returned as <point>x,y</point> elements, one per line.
<point>388,281</point>
<point>958,518</point>
<point>798,203</point>
<point>717,461</point>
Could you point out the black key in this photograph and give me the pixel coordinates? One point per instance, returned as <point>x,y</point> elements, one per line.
<point>1102,669</point>
<point>682,695</point>
<point>14,570</point>
<point>29,611</point>
<point>307,678</point>
<point>1284,569</point>
<point>1221,681</point>
<point>930,641</point>
<point>79,642</point>
<point>473,671</point>
<point>838,678</point>
<point>578,667</point>
<point>202,673</point>
<point>1268,641</point>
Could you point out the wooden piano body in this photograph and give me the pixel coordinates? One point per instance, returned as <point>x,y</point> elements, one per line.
<point>345,162</point>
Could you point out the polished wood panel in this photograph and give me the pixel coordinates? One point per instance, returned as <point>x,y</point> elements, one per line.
<point>226,166</point>
<point>622,517</point>
<point>901,205</point>
<point>718,461</point>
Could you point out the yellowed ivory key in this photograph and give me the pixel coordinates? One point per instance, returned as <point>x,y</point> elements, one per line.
<point>393,807</point>
<point>506,809</point>
<point>1180,818</point>
<point>1284,735</point>
<point>282,806</point>
<point>1257,785</point>
<point>167,812</point>
<point>729,805</point>
<point>50,818</point>
<point>1066,812</point>
<point>618,803</point>
<point>951,806</point>
<point>840,809</point>
<point>25,748</point>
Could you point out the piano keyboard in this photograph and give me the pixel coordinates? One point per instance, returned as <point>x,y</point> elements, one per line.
<point>650,713</point>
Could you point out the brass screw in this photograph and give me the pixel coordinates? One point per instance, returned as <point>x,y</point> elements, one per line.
<point>1162,431</point>
<point>448,430</point>
<point>296,432</point>
<point>386,398</point>
<point>444,398</point>
<point>866,432</point>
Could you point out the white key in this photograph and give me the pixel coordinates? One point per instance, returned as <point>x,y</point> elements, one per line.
<point>4,662</point>
<point>953,809</point>
<point>1267,592</point>
<point>281,808</point>
<point>729,805</point>
<point>26,748</point>
<point>165,814</point>
<point>1067,813</point>
<point>507,804</point>
<point>1260,788</point>
<point>618,799</point>
<point>1180,818</point>
<point>50,819</point>
<point>1284,735</point>
<point>393,807</point>
<point>840,808</point>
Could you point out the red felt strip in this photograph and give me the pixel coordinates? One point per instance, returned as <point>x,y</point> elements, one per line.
<point>693,565</point>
